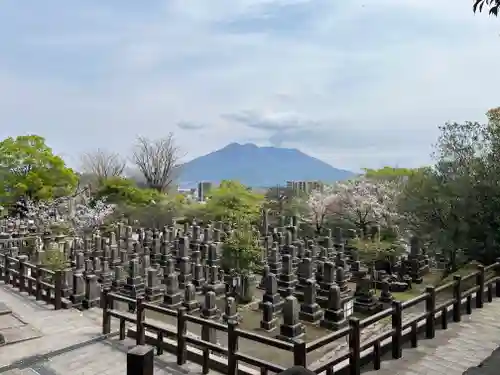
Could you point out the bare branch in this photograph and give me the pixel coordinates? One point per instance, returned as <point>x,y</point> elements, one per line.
<point>157,160</point>
<point>103,164</point>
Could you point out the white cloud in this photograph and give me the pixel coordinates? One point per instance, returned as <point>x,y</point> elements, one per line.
<point>364,83</point>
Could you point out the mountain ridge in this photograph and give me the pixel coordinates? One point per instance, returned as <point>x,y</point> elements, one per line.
<point>257,166</point>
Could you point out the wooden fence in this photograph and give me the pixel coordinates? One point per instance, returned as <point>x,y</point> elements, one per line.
<point>359,353</point>
<point>44,284</point>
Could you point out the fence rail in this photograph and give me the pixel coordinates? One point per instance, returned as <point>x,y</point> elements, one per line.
<point>350,361</point>
<point>44,284</point>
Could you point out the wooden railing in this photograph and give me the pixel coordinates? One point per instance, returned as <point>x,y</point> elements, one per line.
<point>162,331</point>
<point>44,284</point>
<point>358,353</point>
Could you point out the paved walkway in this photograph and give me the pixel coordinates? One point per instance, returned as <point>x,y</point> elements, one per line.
<point>453,351</point>
<point>65,343</point>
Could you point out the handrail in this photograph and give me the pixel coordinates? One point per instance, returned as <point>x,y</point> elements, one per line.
<point>395,337</point>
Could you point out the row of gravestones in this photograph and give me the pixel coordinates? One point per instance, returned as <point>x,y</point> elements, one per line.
<point>92,265</point>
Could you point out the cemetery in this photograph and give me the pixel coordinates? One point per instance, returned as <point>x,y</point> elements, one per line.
<point>307,297</point>
<point>333,279</point>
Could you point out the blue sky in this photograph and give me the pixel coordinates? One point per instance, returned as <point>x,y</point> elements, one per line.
<point>358,83</point>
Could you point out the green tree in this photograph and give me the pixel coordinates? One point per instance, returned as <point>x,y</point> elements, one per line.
<point>493,6</point>
<point>390,173</point>
<point>241,251</point>
<point>120,190</point>
<point>232,202</point>
<point>28,167</point>
<point>455,203</point>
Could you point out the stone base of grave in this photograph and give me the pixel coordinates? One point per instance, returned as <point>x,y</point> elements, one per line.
<point>184,280</point>
<point>275,269</point>
<point>134,282</point>
<point>210,314</point>
<point>270,325</point>
<point>324,289</point>
<point>386,298</point>
<point>89,303</point>
<point>133,291</point>
<point>218,289</point>
<point>301,285</point>
<point>172,301</point>
<point>285,292</point>
<point>358,275</point>
<point>198,283</point>
<point>277,307</point>
<point>273,298</point>
<point>310,313</point>
<point>287,281</point>
<point>191,305</point>
<point>344,289</point>
<point>333,320</point>
<point>154,294</point>
<point>290,333</point>
<point>76,300</point>
<point>367,306</point>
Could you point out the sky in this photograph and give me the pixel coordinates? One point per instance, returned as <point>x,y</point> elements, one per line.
<point>358,83</point>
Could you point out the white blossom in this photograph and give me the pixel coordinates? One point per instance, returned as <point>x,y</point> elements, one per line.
<point>81,218</point>
<point>361,201</point>
<point>367,202</point>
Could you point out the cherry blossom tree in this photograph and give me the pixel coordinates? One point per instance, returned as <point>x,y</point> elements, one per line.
<point>365,202</point>
<point>82,219</point>
<point>322,203</point>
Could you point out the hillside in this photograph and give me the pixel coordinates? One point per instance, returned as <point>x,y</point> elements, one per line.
<point>258,167</point>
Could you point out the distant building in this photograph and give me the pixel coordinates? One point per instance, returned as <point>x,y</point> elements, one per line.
<point>304,187</point>
<point>204,188</point>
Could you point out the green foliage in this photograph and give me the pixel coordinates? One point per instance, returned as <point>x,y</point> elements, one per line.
<point>390,173</point>
<point>29,168</point>
<point>369,251</point>
<point>454,205</point>
<point>233,202</point>
<point>54,260</point>
<point>241,251</point>
<point>124,191</point>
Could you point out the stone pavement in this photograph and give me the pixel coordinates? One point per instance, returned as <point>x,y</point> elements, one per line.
<point>67,343</point>
<point>453,351</point>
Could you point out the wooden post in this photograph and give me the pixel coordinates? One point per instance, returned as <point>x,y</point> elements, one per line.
<point>430,307</point>
<point>6,274</point>
<point>22,273</point>
<point>106,318</point>
<point>397,325</point>
<point>354,346</point>
<point>232,348</point>
<point>181,340</point>
<point>140,360</point>
<point>140,318</point>
<point>39,286</point>
<point>58,290</point>
<point>480,284</point>
<point>299,353</point>
<point>497,282</point>
<point>457,298</point>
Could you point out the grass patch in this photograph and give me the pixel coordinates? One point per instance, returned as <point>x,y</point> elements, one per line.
<point>403,296</point>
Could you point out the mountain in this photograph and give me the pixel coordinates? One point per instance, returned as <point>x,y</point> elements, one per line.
<point>258,167</point>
